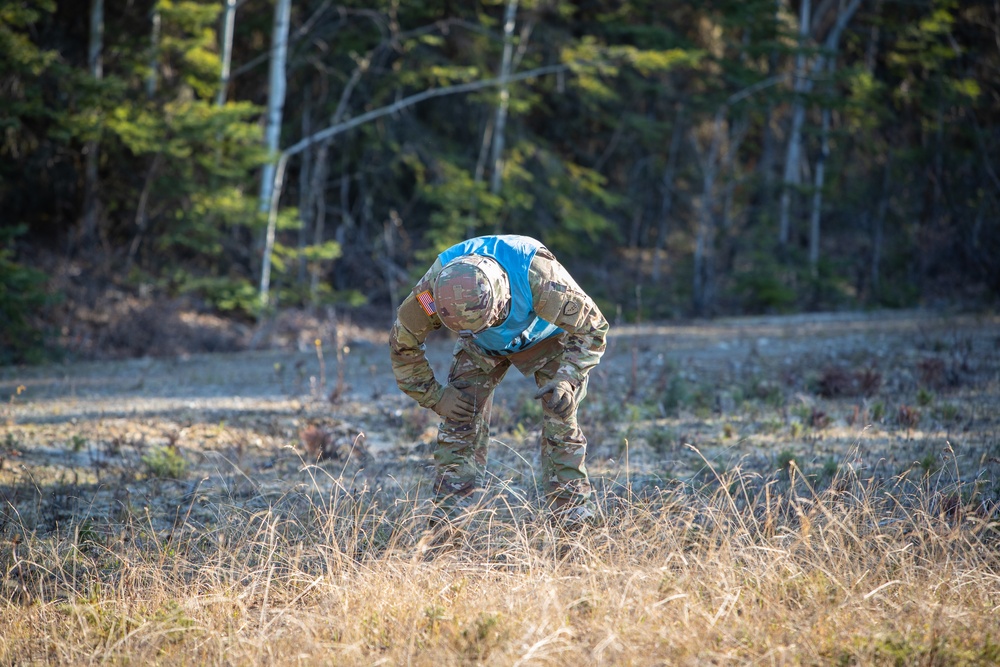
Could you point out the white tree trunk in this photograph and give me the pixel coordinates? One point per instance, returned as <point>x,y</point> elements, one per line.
<point>804,85</point>
<point>275,98</point>
<point>226,49</point>
<point>817,203</point>
<point>500,125</point>
<point>793,154</point>
<point>95,48</point>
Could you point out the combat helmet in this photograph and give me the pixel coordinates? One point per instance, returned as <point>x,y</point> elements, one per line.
<point>472,293</point>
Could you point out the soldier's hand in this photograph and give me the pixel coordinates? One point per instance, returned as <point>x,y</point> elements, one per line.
<point>561,397</point>
<point>456,405</point>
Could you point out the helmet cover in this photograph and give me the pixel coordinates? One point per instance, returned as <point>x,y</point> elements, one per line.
<point>471,293</point>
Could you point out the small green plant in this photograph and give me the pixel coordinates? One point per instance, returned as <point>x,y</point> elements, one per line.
<point>797,429</point>
<point>772,425</point>
<point>165,463</point>
<point>802,412</point>
<point>675,394</point>
<point>948,412</point>
<point>785,459</point>
<point>929,464</point>
<point>661,440</point>
<point>830,468</point>
<point>77,442</point>
<point>878,411</point>
<point>769,393</point>
<point>728,431</point>
<point>530,410</point>
<point>924,397</point>
<point>480,638</point>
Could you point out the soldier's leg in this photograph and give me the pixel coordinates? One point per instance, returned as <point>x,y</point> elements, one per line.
<point>564,453</point>
<point>460,456</point>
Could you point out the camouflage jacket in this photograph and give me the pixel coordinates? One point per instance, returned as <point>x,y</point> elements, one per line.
<point>556,298</point>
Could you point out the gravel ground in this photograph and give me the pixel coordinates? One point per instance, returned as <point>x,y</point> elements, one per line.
<point>903,390</point>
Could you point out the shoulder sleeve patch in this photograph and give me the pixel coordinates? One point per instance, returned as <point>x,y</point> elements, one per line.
<point>414,317</point>
<point>426,302</point>
<point>573,310</point>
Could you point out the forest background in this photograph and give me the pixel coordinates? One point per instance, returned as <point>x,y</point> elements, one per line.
<point>228,160</point>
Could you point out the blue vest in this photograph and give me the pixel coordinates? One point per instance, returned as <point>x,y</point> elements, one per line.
<point>522,328</point>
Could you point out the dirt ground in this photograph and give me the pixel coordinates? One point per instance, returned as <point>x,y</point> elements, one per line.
<point>902,393</point>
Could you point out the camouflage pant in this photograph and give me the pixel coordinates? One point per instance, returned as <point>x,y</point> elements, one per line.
<point>462,448</point>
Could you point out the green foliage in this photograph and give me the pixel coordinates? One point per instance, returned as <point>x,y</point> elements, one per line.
<point>924,397</point>
<point>225,293</point>
<point>786,458</point>
<point>22,294</point>
<point>165,462</point>
<point>762,287</point>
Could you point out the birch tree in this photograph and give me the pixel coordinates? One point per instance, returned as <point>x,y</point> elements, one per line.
<point>226,49</point>
<point>793,155</point>
<point>95,63</point>
<point>804,75</point>
<point>276,97</point>
<point>500,125</point>
<point>818,183</point>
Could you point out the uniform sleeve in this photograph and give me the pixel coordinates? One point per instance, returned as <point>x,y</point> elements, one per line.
<point>415,319</point>
<point>558,299</point>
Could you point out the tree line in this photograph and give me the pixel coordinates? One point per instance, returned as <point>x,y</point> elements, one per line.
<point>682,158</point>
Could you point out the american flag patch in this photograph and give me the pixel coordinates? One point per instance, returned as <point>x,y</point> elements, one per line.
<point>427,302</point>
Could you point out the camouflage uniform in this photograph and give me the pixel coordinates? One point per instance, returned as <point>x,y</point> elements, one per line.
<point>461,451</point>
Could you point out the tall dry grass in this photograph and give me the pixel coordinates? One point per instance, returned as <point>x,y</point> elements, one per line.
<point>743,569</point>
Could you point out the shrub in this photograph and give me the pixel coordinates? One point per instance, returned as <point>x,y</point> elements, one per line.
<point>22,293</point>
<point>165,463</point>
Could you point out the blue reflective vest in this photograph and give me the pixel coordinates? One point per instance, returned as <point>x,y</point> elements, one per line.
<point>522,328</point>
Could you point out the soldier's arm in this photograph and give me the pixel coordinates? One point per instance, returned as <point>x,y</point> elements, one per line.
<point>559,300</point>
<point>414,322</point>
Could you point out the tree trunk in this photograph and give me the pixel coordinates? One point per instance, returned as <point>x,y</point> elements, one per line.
<point>705,239</point>
<point>803,85</point>
<point>91,201</point>
<point>226,50</point>
<point>667,203</point>
<point>817,202</point>
<point>500,125</point>
<point>879,225</point>
<point>275,98</point>
<point>793,154</point>
<point>477,175</point>
<point>154,53</point>
<point>306,196</point>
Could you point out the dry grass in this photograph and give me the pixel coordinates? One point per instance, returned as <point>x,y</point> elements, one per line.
<point>741,570</point>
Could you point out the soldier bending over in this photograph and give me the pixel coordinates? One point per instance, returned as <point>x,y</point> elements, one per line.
<point>511,302</point>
